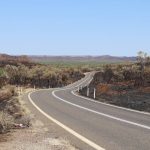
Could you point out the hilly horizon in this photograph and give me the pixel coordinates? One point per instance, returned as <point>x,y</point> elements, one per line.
<point>80,58</point>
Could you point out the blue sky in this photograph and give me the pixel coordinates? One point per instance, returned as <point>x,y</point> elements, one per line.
<point>74,27</point>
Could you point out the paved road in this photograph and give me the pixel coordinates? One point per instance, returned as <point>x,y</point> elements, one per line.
<point>99,125</point>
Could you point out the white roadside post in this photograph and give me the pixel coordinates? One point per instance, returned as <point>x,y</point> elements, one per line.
<point>87,91</point>
<point>34,87</point>
<point>94,93</point>
<point>18,90</point>
<point>21,90</point>
<point>78,89</point>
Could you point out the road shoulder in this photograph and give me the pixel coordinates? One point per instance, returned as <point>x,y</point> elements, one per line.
<point>41,135</point>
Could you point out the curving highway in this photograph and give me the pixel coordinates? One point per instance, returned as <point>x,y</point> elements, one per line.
<point>100,126</point>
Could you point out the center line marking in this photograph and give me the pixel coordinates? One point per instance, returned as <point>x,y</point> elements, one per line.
<point>82,138</point>
<point>79,136</point>
<point>99,113</point>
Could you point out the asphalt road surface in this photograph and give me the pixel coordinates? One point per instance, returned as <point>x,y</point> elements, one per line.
<point>99,125</point>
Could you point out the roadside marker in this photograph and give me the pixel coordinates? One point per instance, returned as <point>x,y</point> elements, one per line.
<point>94,93</point>
<point>87,91</point>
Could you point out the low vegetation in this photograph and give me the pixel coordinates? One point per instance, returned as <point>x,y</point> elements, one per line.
<point>126,85</point>
<point>11,114</point>
<point>21,71</point>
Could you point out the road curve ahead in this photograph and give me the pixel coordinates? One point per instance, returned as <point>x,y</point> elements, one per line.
<point>99,125</point>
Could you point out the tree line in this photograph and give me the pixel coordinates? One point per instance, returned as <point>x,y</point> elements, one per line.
<point>23,72</point>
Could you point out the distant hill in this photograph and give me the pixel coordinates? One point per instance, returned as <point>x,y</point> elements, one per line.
<point>45,58</point>
<point>104,58</point>
<point>14,60</point>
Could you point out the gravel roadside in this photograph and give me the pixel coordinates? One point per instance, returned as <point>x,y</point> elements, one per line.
<point>36,137</point>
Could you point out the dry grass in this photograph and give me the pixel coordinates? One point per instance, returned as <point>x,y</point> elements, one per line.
<point>11,112</point>
<point>102,88</point>
<point>7,92</point>
<point>145,90</point>
<point>6,121</point>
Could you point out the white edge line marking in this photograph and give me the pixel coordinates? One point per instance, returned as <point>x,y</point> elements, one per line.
<point>89,99</point>
<point>82,138</point>
<point>99,113</point>
<point>65,88</point>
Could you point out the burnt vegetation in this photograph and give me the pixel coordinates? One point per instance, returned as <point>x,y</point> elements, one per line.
<point>21,71</point>
<point>123,84</point>
<point>126,85</point>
